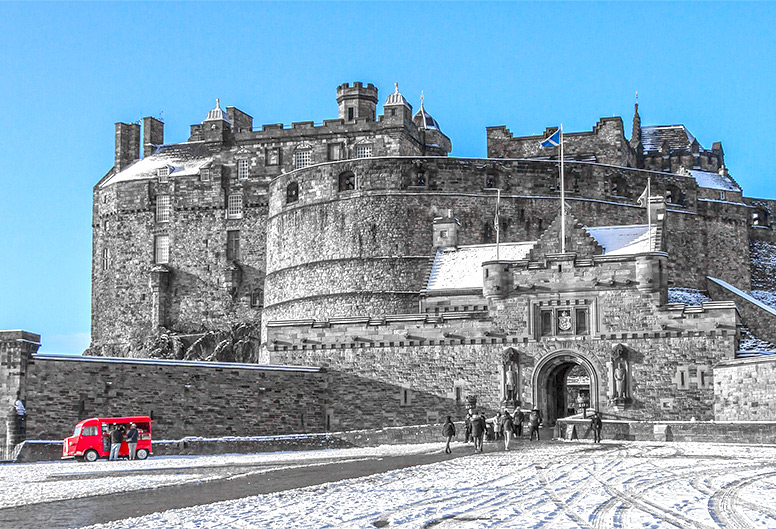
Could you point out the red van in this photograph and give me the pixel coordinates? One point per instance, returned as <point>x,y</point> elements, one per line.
<point>91,438</point>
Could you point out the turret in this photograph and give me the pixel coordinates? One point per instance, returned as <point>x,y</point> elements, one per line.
<point>397,109</point>
<point>216,126</point>
<point>496,279</point>
<point>357,101</point>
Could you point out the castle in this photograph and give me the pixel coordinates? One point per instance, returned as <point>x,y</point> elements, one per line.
<point>359,253</point>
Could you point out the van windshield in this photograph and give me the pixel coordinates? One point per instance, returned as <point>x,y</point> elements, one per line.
<point>77,431</point>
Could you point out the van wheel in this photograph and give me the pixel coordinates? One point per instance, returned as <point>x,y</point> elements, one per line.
<point>141,454</point>
<point>91,456</point>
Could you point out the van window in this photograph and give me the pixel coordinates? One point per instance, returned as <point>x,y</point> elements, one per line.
<point>77,431</point>
<point>89,431</point>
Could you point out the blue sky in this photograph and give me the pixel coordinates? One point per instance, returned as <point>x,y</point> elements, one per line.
<point>70,71</point>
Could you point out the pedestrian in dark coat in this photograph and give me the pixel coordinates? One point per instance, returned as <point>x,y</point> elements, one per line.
<point>507,427</point>
<point>448,430</point>
<point>467,425</point>
<point>478,431</point>
<point>596,425</point>
<point>518,421</point>
<point>534,420</point>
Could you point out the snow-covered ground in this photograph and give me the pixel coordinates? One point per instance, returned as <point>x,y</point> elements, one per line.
<point>553,485</point>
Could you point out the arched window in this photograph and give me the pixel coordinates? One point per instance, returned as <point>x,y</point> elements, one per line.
<point>347,181</point>
<point>292,192</point>
<point>257,297</point>
<point>488,235</point>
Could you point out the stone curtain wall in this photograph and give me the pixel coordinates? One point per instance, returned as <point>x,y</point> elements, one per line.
<point>184,398</point>
<point>745,390</point>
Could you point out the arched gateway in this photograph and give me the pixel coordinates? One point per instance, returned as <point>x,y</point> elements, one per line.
<point>557,381</point>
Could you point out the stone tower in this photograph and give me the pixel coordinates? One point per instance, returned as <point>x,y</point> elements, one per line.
<point>357,101</point>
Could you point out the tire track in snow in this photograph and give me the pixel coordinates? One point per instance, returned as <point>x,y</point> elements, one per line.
<point>723,504</point>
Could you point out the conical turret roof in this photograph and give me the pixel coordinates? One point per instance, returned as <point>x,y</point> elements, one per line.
<point>423,119</point>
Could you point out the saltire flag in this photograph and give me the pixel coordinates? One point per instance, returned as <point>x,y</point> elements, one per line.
<point>552,141</point>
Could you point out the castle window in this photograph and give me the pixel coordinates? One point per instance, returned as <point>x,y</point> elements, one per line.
<point>351,112</point>
<point>674,195</point>
<point>458,394</point>
<point>233,245</point>
<point>405,398</point>
<point>335,152</point>
<point>488,232</point>
<point>302,158</point>
<point>204,174</point>
<point>364,150</point>
<point>546,323</point>
<point>347,181</point>
<point>105,260</point>
<point>292,192</point>
<point>619,187</point>
<point>162,249</point>
<point>257,298</point>
<point>420,179</point>
<point>163,173</point>
<point>581,321</point>
<point>163,208</point>
<point>242,169</point>
<point>722,195</point>
<point>234,207</point>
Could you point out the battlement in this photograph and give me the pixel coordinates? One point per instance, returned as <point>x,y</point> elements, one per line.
<point>358,85</point>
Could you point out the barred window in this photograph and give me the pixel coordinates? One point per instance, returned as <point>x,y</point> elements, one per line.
<point>234,207</point>
<point>163,208</point>
<point>302,159</point>
<point>242,169</point>
<point>204,174</point>
<point>364,151</point>
<point>163,173</point>
<point>162,249</point>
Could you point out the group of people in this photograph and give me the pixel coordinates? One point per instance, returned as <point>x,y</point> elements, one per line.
<point>118,434</point>
<point>505,425</point>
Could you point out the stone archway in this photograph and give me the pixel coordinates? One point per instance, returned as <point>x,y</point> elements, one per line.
<point>550,383</point>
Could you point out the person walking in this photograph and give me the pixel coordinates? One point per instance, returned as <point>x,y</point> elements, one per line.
<point>467,425</point>
<point>116,437</point>
<point>534,420</point>
<point>596,425</point>
<point>448,430</point>
<point>518,419</point>
<point>478,430</point>
<point>21,417</point>
<point>132,436</point>
<point>507,427</point>
<point>498,426</point>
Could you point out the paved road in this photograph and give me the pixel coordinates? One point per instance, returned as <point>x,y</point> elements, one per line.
<point>100,509</point>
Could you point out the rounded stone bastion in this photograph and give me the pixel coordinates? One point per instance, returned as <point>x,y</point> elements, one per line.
<point>355,237</point>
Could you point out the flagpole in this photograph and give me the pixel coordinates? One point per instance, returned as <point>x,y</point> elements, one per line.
<point>649,212</point>
<point>498,228</point>
<point>562,198</point>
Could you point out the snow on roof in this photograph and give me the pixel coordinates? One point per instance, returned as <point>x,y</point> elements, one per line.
<point>183,159</point>
<point>713,180</point>
<point>623,240</point>
<point>461,268</point>
<point>688,296</point>
<point>677,136</point>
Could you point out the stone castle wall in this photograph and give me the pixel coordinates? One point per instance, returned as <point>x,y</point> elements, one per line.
<point>183,398</point>
<point>744,389</point>
<point>358,251</point>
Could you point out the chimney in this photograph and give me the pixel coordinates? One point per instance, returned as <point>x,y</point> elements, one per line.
<point>153,135</point>
<point>127,144</point>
